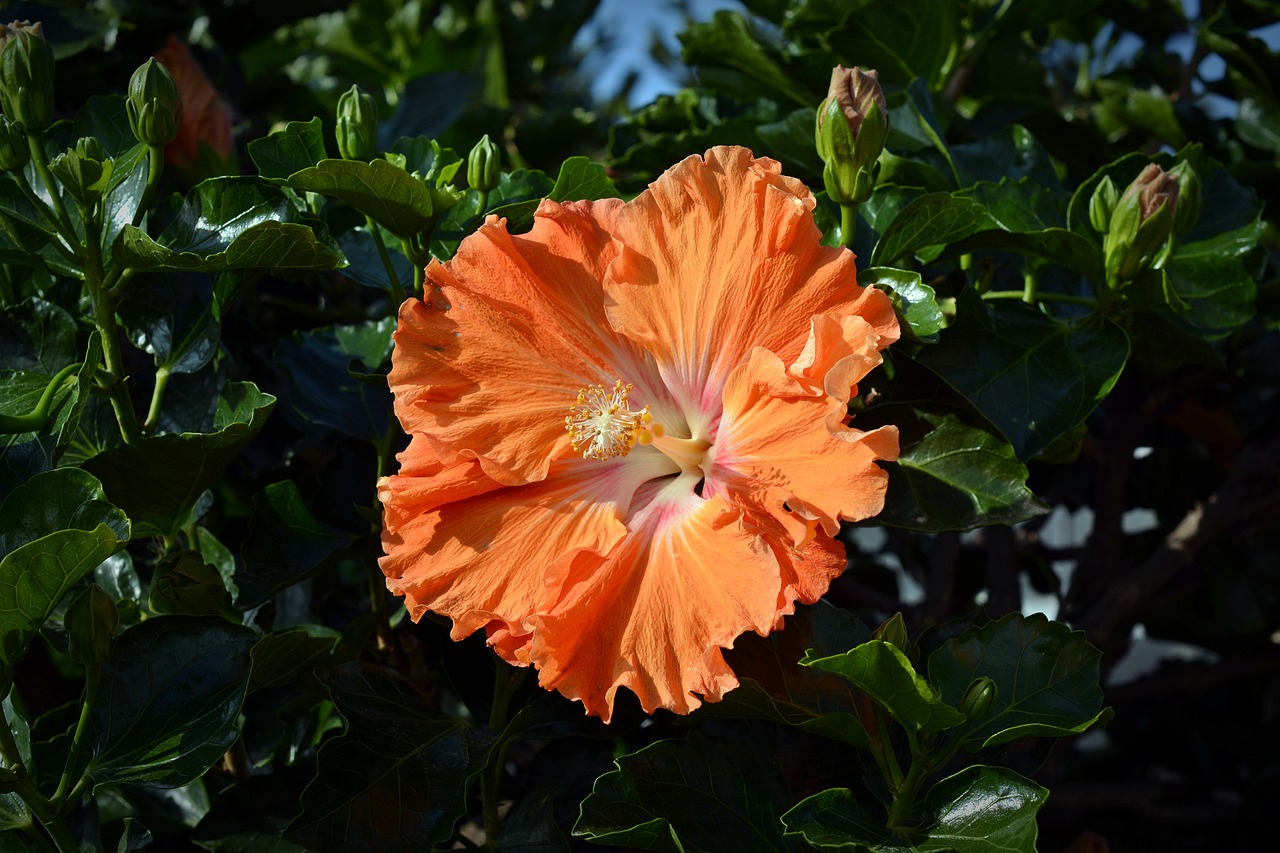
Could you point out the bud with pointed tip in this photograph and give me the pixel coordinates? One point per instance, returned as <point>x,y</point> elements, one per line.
<point>154,104</point>
<point>978,698</point>
<point>14,150</point>
<point>483,165</point>
<point>26,75</point>
<point>357,125</point>
<point>1138,234</point>
<point>1190,203</point>
<point>91,623</point>
<point>1102,204</point>
<point>894,632</point>
<point>852,126</point>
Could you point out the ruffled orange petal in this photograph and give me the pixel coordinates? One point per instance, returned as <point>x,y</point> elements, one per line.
<point>720,255</point>
<point>786,452</point>
<point>462,545</point>
<point>489,366</point>
<point>654,615</point>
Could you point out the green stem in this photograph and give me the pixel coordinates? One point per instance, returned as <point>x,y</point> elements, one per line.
<point>157,398</point>
<point>155,168</point>
<point>397,292</point>
<point>1064,298</point>
<point>894,777</point>
<point>104,317</point>
<point>904,798</point>
<point>116,280</point>
<point>44,810</point>
<point>35,141</point>
<point>505,682</point>
<point>38,417</point>
<point>93,678</point>
<point>1029,287</point>
<point>848,223</point>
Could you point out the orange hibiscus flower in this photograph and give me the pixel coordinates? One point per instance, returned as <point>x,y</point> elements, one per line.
<point>628,431</point>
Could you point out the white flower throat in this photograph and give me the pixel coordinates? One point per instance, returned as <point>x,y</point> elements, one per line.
<point>602,425</point>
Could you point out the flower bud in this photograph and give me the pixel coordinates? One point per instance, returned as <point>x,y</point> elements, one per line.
<point>84,171</point>
<point>357,125</point>
<point>153,105</point>
<point>978,698</point>
<point>91,624</point>
<point>894,632</point>
<point>14,151</point>
<point>1187,211</point>
<point>852,126</point>
<point>26,75</point>
<point>1102,204</point>
<point>1141,225</point>
<point>482,165</point>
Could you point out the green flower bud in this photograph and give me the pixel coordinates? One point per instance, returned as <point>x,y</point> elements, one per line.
<point>1190,203</point>
<point>894,632</point>
<point>91,624</point>
<point>1141,224</point>
<point>185,583</point>
<point>1102,204</point>
<point>14,151</point>
<point>154,104</point>
<point>483,165</point>
<point>84,171</point>
<point>852,126</point>
<point>978,698</point>
<point>26,75</point>
<point>357,125</point>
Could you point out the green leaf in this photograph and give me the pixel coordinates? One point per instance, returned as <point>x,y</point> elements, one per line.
<point>1046,677</point>
<point>727,41</point>
<point>931,220</point>
<point>397,779</point>
<point>1258,123</point>
<point>232,223</point>
<point>37,335</point>
<point>389,195</point>
<point>687,795</point>
<point>790,140</point>
<point>169,700</point>
<point>285,544</point>
<point>914,302</point>
<point>885,674</point>
<point>901,39</point>
<point>582,178</point>
<point>772,686</point>
<point>278,658</point>
<point>158,479</point>
<point>106,119</point>
<point>978,810</point>
<point>298,145</point>
<point>54,529</point>
<point>321,389</point>
<point>425,156</point>
<point>958,476</point>
<point>171,317</point>
<point>364,262</point>
<point>1034,377</point>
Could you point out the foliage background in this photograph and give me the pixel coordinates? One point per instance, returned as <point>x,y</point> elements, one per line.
<point>1135,445</point>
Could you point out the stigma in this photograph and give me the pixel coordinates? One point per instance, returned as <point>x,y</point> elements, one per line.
<point>601,424</point>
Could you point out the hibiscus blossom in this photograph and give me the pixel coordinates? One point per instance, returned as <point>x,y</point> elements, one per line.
<point>628,431</point>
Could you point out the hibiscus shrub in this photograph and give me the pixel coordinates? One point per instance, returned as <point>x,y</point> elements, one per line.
<point>403,452</point>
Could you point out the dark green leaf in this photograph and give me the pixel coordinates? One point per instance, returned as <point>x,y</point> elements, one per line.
<point>171,317</point>
<point>932,220</point>
<point>285,543</point>
<point>1034,377</point>
<point>885,674</point>
<point>901,39</point>
<point>772,685</point>
<point>365,264</point>
<point>914,302</point>
<point>791,141</point>
<point>37,336</point>
<point>1258,123</point>
<point>54,529</point>
<point>298,145</point>
<point>398,779</point>
<point>170,696</point>
<point>687,795</point>
<point>278,658</point>
<point>978,810</point>
<point>105,119</point>
<point>387,194</point>
<point>1046,677</point>
<point>322,391</point>
<point>158,479</point>
<point>435,164</point>
<point>135,836</point>
<point>727,40</point>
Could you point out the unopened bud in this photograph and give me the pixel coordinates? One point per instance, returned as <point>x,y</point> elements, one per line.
<point>1190,201</point>
<point>894,632</point>
<point>978,698</point>
<point>26,75</point>
<point>1141,224</point>
<point>14,150</point>
<point>483,165</point>
<point>357,125</point>
<point>154,104</point>
<point>91,623</point>
<point>1102,204</point>
<point>852,126</point>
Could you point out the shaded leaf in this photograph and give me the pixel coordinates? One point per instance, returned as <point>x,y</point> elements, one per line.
<point>321,389</point>
<point>298,145</point>
<point>885,674</point>
<point>901,39</point>
<point>278,658</point>
<point>171,317</point>
<point>727,40</point>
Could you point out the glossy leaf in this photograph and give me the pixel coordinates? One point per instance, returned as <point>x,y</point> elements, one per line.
<point>932,220</point>
<point>978,810</point>
<point>902,39</point>
<point>581,178</point>
<point>1046,677</point>
<point>170,317</point>
<point>914,302</point>
<point>387,194</point>
<point>1034,377</point>
<point>885,674</point>
<point>54,529</point>
<point>687,795</point>
<point>298,145</point>
<point>285,543</point>
<point>321,389</point>
<point>170,696</point>
<point>157,480</point>
<point>397,779</point>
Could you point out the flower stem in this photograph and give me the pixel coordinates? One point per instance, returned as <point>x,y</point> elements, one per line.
<point>38,417</point>
<point>104,317</point>
<point>848,223</point>
<point>155,168</point>
<point>35,141</point>
<point>505,681</point>
<point>397,292</point>
<point>93,678</point>
<point>43,809</point>
<point>904,799</point>
<point>157,398</point>
<point>1064,298</point>
<point>1029,287</point>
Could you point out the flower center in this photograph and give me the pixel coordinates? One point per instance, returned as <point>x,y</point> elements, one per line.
<point>601,425</point>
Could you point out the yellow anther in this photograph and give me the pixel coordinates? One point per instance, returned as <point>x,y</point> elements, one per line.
<point>601,424</point>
